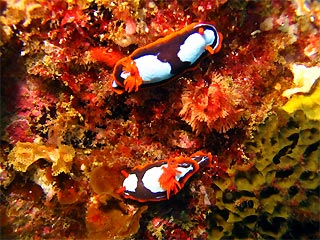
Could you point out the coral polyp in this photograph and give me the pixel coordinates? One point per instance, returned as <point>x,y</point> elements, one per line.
<point>214,107</point>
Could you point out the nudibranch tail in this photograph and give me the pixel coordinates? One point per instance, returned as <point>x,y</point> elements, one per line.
<point>202,159</point>
<point>167,58</point>
<point>160,180</point>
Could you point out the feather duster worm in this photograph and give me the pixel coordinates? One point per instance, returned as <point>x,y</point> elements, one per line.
<point>216,107</point>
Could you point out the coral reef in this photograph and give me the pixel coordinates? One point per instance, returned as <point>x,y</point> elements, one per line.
<point>280,187</point>
<point>66,137</point>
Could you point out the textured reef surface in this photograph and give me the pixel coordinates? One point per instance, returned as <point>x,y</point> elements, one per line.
<point>66,136</point>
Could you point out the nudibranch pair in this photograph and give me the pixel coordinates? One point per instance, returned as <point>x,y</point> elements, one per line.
<point>159,180</point>
<point>166,58</point>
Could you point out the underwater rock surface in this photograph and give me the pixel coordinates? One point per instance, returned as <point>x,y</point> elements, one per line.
<point>66,136</point>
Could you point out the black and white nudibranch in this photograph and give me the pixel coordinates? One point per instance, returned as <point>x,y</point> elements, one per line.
<point>166,58</point>
<point>159,180</point>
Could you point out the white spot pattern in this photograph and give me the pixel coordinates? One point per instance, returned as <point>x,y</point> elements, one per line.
<point>152,70</point>
<point>194,46</point>
<point>131,183</point>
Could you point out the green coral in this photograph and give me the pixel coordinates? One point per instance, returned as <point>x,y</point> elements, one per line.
<point>281,186</point>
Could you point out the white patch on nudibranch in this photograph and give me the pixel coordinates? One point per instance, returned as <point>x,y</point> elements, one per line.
<point>131,183</point>
<point>124,75</point>
<point>152,70</point>
<point>114,84</point>
<point>201,160</point>
<point>151,178</point>
<point>195,45</point>
<point>183,171</point>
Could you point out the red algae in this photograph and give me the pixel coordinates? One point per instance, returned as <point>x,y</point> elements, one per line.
<point>69,193</point>
<point>65,136</point>
<point>19,130</point>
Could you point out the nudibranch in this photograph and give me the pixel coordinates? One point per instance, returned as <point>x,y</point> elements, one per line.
<point>159,180</point>
<point>166,58</point>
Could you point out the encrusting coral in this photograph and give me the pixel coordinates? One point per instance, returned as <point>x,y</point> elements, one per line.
<point>279,189</point>
<point>304,79</point>
<point>310,104</point>
<point>25,154</point>
<point>278,192</point>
